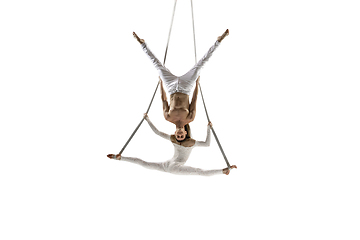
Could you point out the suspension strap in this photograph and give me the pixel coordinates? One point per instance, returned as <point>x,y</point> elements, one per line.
<point>138,126</point>
<point>202,96</point>
<point>171,24</point>
<point>193,25</point>
<point>157,86</point>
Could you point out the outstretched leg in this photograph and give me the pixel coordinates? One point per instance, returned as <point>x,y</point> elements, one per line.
<point>158,65</point>
<point>169,79</point>
<point>187,80</point>
<point>149,165</point>
<point>186,170</point>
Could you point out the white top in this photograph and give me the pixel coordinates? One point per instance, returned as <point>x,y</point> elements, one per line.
<point>181,153</point>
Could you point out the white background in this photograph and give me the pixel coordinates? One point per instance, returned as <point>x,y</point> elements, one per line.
<point>282,91</point>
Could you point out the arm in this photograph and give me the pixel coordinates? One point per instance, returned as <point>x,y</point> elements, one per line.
<point>208,138</point>
<point>164,101</point>
<point>156,131</point>
<point>192,107</point>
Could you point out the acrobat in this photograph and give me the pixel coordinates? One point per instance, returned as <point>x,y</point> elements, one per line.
<point>182,152</point>
<point>180,111</point>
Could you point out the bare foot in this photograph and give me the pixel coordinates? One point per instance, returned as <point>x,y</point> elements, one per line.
<point>227,170</point>
<point>141,41</point>
<point>220,38</point>
<point>113,156</point>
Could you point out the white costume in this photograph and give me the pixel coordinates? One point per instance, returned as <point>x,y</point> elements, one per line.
<point>181,155</point>
<point>184,83</point>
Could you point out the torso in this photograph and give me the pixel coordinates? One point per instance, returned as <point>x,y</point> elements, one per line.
<point>181,155</point>
<point>179,109</point>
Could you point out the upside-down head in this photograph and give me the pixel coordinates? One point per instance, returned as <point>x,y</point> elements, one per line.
<point>182,133</point>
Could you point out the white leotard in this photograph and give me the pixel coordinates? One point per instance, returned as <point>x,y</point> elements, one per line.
<point>181,155</point>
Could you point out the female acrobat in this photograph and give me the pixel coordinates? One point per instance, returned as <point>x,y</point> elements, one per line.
<point>182,152</point>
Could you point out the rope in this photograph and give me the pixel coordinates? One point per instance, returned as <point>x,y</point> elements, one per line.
<point>138,126</point>
<point>171,24</point>
<point>202,96</point>
<point>192,14</point>
<point>157,86</point>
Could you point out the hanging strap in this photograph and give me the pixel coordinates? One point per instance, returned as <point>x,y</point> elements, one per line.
<point>138,126</point>
<point>193,25</point>
<point>171,24</point>
<point>157,86</point>
<point>202,96</point>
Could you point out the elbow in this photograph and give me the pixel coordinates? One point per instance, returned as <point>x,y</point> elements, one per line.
<point>166,115</point>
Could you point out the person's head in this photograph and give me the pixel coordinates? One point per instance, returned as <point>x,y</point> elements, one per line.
<point>182,133</point>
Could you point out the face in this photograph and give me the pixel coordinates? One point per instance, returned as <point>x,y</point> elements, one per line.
<point>180,134</point>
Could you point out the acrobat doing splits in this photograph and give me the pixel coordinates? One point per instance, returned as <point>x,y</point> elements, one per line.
<point>182,152</point>
<point>180,111</point>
